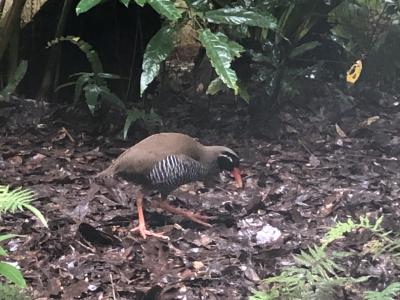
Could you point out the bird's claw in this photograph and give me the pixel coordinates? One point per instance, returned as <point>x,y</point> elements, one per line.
<point>144,232</point>
<point>198,218</point>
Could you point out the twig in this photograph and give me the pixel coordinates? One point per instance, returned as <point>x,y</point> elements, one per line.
<point>305,147</point>
<point>68,135</point>
<point>113,287</point>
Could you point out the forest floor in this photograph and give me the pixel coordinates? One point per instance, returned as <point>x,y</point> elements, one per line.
<point>314,174</point>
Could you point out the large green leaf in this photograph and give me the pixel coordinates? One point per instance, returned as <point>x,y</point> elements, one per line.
<point>125,2</point>
<point>109,76</point>
<point>199,5</point>
<point>141,2</point>
<point>134,114</point>
<point>131,116</point>
<point>112,98</point>
<point>239,15</point>
<point>221,51</point>
<point>85,5</point>
<point>215,86</point>
<point>3,252</point>
<point>165,8</point>
<point>8,236</point>
<point>156,52</point>
<point>80,82</point>
<point>12,274</point>
<point>304,48</point>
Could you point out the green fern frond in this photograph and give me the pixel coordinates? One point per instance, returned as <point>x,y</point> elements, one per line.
<point>267,295</point>
<point>393,247</point>
<point>18,199</point>
<point>340,228</point>
<point>291,281</point>
<point>317,261</point>
<point>366,223</point>
<point>388,293</point>
<point>85,47</point>
<point>338,231</point>
<point>11,201</point>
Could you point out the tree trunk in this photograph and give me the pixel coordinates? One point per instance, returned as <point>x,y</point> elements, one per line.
<point>8,23</point>
<point>48,84</point>
<point>13,51</point>
<point>2,4</point>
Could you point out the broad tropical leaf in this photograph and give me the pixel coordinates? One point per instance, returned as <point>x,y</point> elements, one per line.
<point>132,116</point>
<point>80,82</point>
<point>12,274</point>
<point>8,236</point>
<point>141,2</point>
<point>125,2</point>
<point>3,252</point>
<point>221,51</point>
<point>304,48</point>
<point>135,114</point>
<point>85,5</point>
<point>157,50</point>
<point>112,98</point>
<point>239,15</point>
<point>165,8</point>
<point>215,86</point>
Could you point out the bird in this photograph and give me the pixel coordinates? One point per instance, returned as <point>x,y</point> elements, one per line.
<point>165,161</point>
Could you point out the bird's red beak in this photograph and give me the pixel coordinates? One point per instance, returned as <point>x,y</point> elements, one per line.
<point>238,178</point>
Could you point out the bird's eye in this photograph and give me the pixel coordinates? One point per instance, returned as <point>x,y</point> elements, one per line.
<point>227,161</point>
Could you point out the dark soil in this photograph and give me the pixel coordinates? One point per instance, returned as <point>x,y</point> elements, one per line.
<point>314,174</point>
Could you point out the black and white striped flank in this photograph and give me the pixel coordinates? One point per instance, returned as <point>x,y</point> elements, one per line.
<point>175,170</point>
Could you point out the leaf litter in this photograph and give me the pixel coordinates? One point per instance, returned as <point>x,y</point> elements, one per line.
<point>323,169</point>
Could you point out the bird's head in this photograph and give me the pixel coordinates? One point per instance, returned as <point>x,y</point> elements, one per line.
<point>227,160</point>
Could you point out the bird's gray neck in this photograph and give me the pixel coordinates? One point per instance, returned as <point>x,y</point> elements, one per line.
<point>209,156</point>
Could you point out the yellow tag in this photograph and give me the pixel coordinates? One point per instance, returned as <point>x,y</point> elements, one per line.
<point>354,72</point>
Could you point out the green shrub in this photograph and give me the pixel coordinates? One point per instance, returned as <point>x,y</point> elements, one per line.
<point>95,88</point>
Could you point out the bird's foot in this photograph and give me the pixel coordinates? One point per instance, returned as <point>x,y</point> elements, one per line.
<point>141,228</point>
<point>195,217</point>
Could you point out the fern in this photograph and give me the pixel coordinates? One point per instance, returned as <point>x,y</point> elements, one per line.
<point>92,84</point>
<point>18,199</point>
<point>317,261</point>
<point>12,201</point>
<point>339,229</point>
<point>388,293</point>
<point>315,274</point>
<point>392,247</point>
<point>85,47</point>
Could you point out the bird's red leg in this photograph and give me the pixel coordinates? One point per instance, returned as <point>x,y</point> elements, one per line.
<point>198,218</point>
<point>142,225</point>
